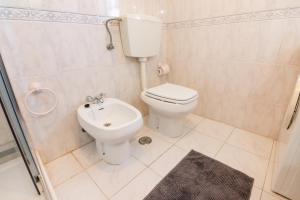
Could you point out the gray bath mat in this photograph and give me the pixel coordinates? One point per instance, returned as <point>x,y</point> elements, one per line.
<point>198,177</point>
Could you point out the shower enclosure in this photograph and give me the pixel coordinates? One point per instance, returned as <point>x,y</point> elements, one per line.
<point>8,146</point>
<point>17,161</point>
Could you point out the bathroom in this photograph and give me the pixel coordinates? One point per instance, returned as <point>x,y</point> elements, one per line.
<point>236,63</point>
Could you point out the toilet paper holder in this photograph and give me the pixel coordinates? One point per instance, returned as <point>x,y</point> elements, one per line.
<point>163,69</point>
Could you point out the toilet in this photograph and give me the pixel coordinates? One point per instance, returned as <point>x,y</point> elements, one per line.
<point>168,105</point>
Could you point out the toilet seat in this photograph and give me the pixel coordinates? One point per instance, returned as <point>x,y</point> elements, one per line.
<point>168,105</point>
<point>171,93</point>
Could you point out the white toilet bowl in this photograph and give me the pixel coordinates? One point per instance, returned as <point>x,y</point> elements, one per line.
<point>112,124</point>
<point>168,105</point>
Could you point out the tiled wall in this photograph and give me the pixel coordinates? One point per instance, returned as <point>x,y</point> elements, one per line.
<point>67,53</point>
<point>243,61</point>
<point>243,64</point>
<point>180,10</point>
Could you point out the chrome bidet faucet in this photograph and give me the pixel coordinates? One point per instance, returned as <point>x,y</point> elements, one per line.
<point>97,99</point>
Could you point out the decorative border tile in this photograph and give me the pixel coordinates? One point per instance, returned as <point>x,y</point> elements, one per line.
<point>238,18</point>
<point>8,13</point>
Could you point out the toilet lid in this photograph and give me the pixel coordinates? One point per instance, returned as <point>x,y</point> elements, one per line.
<point>172,92</point>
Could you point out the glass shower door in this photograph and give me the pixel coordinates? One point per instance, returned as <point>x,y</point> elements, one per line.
<point>8,146</point>
<point>13,131</point>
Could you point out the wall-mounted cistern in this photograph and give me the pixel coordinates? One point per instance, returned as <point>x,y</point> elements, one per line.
<point>141,36</point>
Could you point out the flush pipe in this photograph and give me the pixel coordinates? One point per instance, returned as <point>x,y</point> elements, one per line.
<point>110,45</point>
<point>143,62</point>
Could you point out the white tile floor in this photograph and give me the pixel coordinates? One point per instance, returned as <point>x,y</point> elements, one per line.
<point>81,175</point>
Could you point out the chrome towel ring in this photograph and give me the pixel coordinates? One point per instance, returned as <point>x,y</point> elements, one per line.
<point>36,91</point>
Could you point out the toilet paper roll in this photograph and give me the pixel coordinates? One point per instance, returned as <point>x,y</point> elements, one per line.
<point>163,69</point>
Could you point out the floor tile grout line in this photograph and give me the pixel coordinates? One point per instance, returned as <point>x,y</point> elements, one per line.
<point>58,185</point>
<point>224,142</point>
<point>172,145</point>
<point>84,170</point>
<point>266,158</point>
<point>79,172</point>
<point>270,153</point>
<point>149,165</point>
<point>269,157</point>
<point>100,159</point>
<point>268,168</point>
<point>107,197</point>
<point>267,171</point>
<point>215,138</point>
<point>130,181</point>
<point>146,166</point>
<point>234,127</point>
<point>66,153</point>
<point>77,160</point>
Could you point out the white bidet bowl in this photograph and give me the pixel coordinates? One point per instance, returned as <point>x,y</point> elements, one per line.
<point>112,124</point>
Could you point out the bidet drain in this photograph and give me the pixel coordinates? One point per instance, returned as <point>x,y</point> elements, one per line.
<point>107,124</point>
<point>145,140</point>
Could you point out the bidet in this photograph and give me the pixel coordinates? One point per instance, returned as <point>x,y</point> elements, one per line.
<point>112,124</point>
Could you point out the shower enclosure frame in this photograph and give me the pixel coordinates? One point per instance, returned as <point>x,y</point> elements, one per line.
<point>17,125</point>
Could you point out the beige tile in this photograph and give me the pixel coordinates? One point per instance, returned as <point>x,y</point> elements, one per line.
<point>166,138</point>
<point>149,152</point>
<point>139,187</point>
<point>87,155</point>
<point>14,3</point>
<point>273,153</point>
<point>251,164</point>
<point>62,169</point>
<point>251,142</point>
<point>168,161</point>
<point>201,143</point>
<point>255,194</point>
<point>112,178</point>
<point>268,181</point>
<point>80,187</point>
<point>268,196</point>
<point>191,121</point>
<point>214,129</point>
<point>63,59</point>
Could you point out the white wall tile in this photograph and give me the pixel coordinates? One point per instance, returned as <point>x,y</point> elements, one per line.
<point>71,59</point>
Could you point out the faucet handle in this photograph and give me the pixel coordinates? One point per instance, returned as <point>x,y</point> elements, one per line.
<point>90,99</point>
<point>102,94</point>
